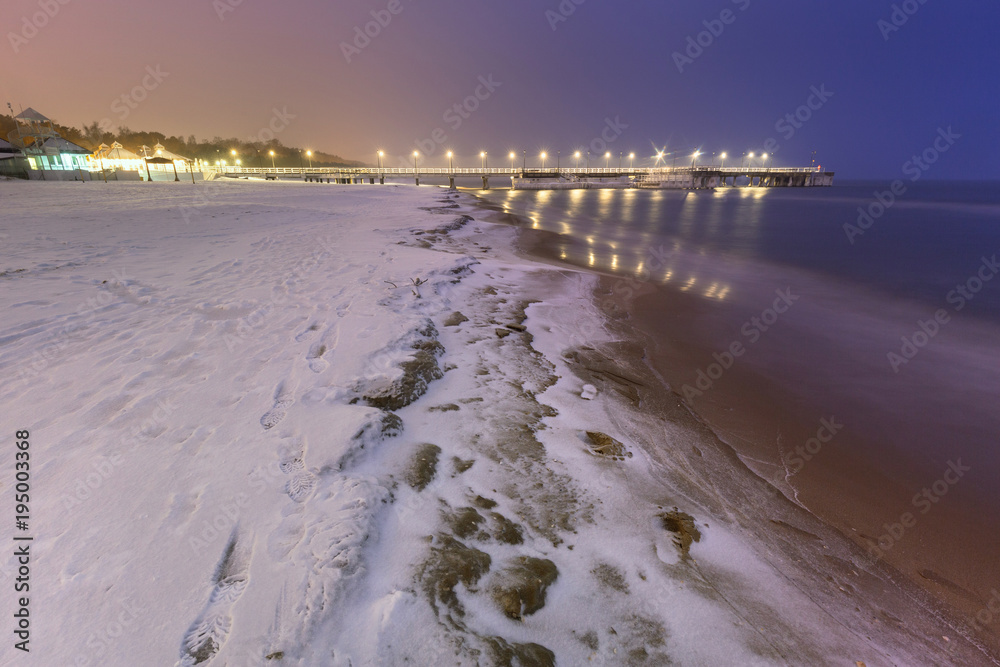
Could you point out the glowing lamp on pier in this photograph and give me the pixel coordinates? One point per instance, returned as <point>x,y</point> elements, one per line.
<point>451,165</point>
<point>723,156</point>
<point>544,155</point>
<point>631,159</point>
<point>512,156</point>
<point>309,154</point>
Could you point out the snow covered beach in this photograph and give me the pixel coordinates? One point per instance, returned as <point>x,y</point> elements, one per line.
<point>282,424</point>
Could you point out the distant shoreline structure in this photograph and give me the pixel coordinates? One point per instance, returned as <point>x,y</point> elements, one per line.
<point>564,178</point>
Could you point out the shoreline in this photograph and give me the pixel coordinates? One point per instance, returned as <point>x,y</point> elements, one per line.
<point>631,319</point>
<point>394,438</point>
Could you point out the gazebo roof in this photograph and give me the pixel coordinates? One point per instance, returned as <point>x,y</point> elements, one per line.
<point>64,146</point>
<point>160,151</point>
<point>119,152</point>
<point>31,114</point>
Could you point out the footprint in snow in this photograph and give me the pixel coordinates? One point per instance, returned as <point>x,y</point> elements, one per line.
<point>308,333</point>
<point>282,401</point>
<point>317,364</point>
<point>205,638</point>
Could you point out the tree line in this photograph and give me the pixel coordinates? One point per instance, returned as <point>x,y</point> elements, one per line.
<point>251,153</point>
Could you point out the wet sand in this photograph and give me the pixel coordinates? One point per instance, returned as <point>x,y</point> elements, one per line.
<point>944,563</point>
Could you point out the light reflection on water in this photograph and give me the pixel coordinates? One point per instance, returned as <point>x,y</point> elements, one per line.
<point>621,232</point>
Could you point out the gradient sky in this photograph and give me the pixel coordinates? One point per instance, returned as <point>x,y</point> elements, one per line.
<point>226,72</point>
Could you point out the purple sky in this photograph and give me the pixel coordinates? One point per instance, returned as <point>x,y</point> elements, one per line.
<point>228,65</point>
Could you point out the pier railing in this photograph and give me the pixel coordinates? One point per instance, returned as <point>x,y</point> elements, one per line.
<point>532,172</point>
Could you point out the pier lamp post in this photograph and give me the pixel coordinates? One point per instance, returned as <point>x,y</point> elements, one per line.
<point>723,157</point>
<point>631,160</point>
<point>577,156</point>
<point>234,153</point>
<point>749,160</point>
<point>544,155</point>
<point>512,156</point>
<point>524,160</point>
<point>416,154</point>
<point>482,156</point>
<point>619,160</point>
<point>558,161</point>
<point>607,160</point>
<point>694,158</point>
<point>309,154</point>
<point>272,161</point>
<point>588,160</point>
<point>451,165</point>
<point>378,160</point>
<point>763,160</point>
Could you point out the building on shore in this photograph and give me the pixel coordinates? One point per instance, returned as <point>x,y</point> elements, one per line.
<point>12,163</point>
<point>42,148</point>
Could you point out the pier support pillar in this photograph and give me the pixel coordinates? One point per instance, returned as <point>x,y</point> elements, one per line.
<point>381,180</point>
<point>371,181</point>
<point>451,182</point>
<point>486,183</point>
<point>417,179</point>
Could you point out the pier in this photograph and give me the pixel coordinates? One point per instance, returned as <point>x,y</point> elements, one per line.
<point>564,178</point>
